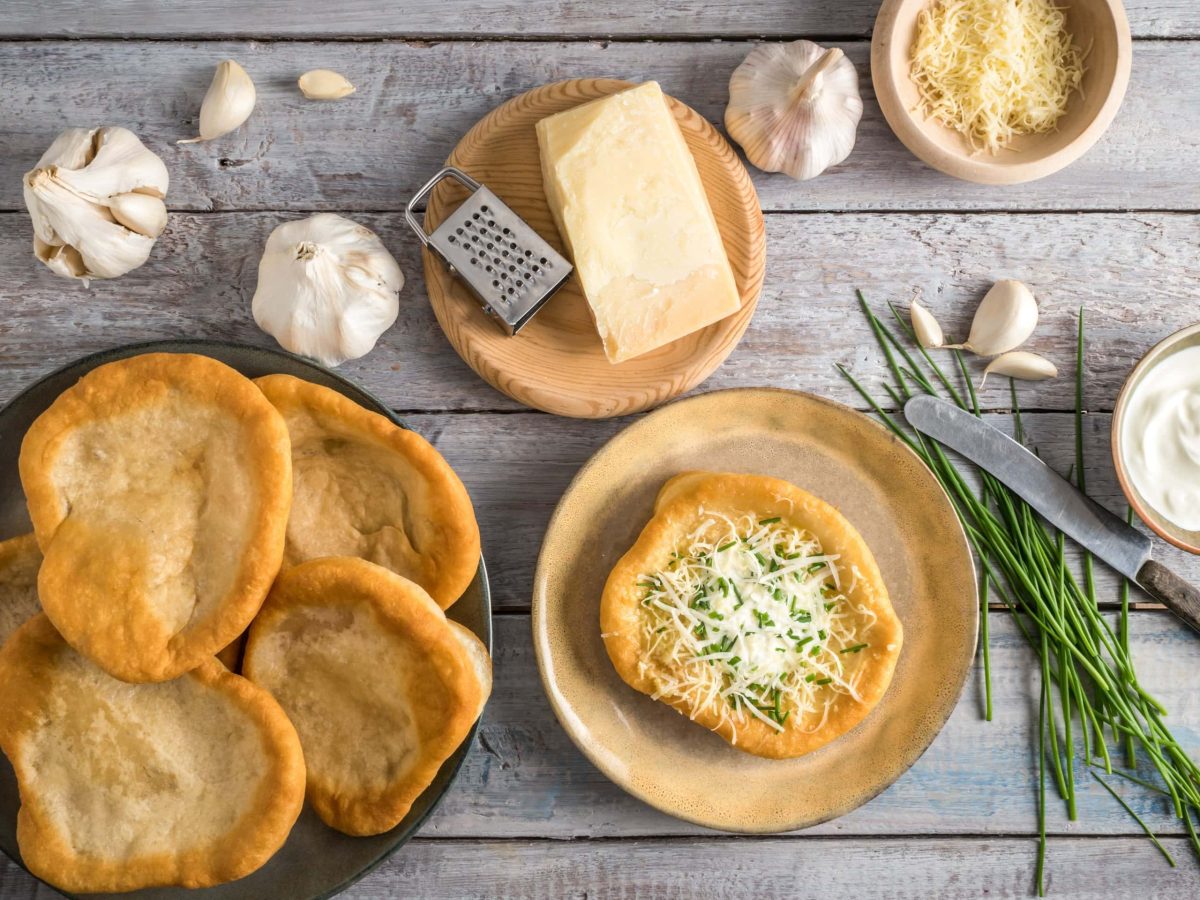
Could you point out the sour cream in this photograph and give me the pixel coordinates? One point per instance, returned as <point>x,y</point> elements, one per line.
<point>1160,438</point>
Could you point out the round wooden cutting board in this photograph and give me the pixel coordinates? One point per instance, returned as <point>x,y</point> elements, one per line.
<point>557,363</point>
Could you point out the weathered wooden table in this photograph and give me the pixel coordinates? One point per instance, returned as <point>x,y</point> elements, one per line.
<point>529,817</point>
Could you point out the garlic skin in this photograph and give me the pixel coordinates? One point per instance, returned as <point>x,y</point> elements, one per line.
<point>227,103</point>
<point>1020,364</point>
<point>794,108</point>
<point>925,327</point>
<point>1004,320</point>
<point>96,200</point>
<point>325,84</point>
<point>327,288</point>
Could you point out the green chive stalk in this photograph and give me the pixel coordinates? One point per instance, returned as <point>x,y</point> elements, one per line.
<point>1023,568</point>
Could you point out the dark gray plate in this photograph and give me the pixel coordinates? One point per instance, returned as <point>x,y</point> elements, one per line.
<point>316,861</point>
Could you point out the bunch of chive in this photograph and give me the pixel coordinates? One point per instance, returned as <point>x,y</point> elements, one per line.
<point>1086,668</point>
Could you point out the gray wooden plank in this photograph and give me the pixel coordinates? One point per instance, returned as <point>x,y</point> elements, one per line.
<point>524,778</point>
<point>720,869</point>
<point>1135,274</point>
<point>415,100</point>
<point>517,467</point>
<point>529,19</point>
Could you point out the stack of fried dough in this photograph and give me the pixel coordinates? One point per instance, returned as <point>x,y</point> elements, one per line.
<point>233,599</point>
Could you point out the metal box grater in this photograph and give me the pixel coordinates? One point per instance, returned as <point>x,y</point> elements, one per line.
<point>504,262</point>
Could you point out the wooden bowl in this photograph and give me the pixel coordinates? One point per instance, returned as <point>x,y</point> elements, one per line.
<point>1100,24</point>
<point>1163,527</point>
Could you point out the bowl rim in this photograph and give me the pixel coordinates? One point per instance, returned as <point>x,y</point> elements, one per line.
<point>1149,360</point>
<point>905,123</point>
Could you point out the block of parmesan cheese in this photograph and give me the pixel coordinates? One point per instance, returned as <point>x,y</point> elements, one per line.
<point>629,203</point>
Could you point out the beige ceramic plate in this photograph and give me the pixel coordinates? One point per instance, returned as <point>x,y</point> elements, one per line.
<point>878,484</point>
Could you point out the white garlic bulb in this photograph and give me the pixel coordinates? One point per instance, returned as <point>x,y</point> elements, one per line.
<point>96,200</point>
<point>794,108</point>
<point>227,103</point>
<point>327,288</point>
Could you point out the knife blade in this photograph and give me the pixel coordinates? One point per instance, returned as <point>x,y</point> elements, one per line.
<point>1121,546</point>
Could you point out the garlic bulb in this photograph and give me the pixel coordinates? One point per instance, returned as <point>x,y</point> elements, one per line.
<point>325,84</point>
<point>1004,320</point>
<point>1020,364</point>
<point>925,327</point>
<point>227,103</point>
<point>96,200</point>
<point>794,108</point>
<point>327,288</point>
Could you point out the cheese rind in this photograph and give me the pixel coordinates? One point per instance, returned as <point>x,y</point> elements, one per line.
<point>627,197</point>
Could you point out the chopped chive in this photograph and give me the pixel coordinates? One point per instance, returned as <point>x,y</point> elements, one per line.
<point>821,681</point>
<point>770,521</point>
<point>855,649</point>
<point>725,547</point>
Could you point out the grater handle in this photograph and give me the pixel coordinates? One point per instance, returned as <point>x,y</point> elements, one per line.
<point>410,215</point>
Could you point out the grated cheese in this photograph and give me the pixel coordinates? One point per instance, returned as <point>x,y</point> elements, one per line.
<point>751,620</point>
<point>995,69</point>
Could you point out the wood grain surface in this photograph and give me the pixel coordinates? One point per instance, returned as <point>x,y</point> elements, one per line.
<point>415,100</point>
<point>1115,232</point>
<point>557,363</point>
<point>525,19</point>
<point>1137,274</point>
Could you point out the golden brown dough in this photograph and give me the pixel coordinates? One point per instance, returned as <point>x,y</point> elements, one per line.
<point>365,487</point>
<point>190,782</point>
<point>159,489</point>
<point>727,601</point>
<point>20,560</point>
<point>380,685</point>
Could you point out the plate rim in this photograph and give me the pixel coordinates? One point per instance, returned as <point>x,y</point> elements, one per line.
<point>539,603</point>
<point>184,345</point>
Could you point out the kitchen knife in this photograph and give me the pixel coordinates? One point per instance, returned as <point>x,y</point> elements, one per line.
<point>1123,547</point>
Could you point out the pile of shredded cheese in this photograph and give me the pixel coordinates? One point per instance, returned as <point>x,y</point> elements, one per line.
<point>995,69</point>
<point>752,619</point>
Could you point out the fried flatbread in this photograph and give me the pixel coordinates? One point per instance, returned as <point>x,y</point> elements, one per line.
<point>20,560</point>
<point>755,609</point>
<point>190,782</point>
<point>380,685</point>
<point>365,487</point>
<point>159,487</point>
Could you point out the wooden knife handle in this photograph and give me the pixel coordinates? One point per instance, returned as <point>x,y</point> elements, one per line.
<point>1177,595</point>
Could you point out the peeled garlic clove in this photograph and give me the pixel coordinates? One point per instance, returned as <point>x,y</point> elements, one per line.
<point>794,108</point>
<point>1004,320</point>
<point>139,212</point>
<point>1020,364</point>
<point>227,104</point>
<point>925,326</point>
<point>327,288</point>
<point>69,194</point>
<point>325,84</point>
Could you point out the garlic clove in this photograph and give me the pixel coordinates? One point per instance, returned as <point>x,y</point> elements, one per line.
<point>139,212</point>
<point>227,103</point>
<point>925,326</point>
<point>1004,320</point>
<point>325,84</point>
<point>327,288</point>
<point>69,194</point>
<point>794,108</point>
<point>1020,364</point>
